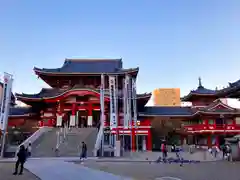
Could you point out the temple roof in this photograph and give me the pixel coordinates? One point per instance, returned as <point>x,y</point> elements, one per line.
<point>231,91</point>
<point>217,107</point>
<point>88,66</point>
<point>19,111</point>
<point>200,91</point>
<point>48,93</point>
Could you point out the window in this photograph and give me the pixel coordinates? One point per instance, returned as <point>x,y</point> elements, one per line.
<point>229,121</point>
<point>211,121</point>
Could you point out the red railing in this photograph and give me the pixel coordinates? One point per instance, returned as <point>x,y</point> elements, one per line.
<point>202,127</point>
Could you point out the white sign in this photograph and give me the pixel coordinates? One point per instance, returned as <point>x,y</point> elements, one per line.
<point>113,103</point>
<point>6,99</point>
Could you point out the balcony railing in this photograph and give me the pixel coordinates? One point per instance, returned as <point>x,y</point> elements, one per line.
<point>202,127</point>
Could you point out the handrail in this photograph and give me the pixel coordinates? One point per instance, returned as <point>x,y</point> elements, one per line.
<point>34,137</point>
<point>99,139</point>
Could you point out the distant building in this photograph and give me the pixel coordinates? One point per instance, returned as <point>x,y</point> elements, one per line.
<point>166,97</point>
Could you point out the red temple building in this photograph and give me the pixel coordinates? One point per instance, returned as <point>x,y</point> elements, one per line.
<point>75,93</point>
<point>208,121</point>
<point>74,97</point>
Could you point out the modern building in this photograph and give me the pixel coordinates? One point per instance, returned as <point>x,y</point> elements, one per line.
<point>166,97</point>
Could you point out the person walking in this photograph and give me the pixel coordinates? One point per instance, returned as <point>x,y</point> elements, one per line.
<point>22,156</point>
<point>29,150</point>
<point>164,151</point>
<point>84,151</point>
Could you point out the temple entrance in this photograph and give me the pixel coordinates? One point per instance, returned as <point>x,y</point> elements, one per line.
<point>81,119</point>
<point>126,142</point>
<point>96,118</point>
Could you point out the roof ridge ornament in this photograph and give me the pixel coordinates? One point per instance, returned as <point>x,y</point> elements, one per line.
<point>200,82</point>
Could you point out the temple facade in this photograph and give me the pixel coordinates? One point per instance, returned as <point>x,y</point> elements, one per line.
<point>74,99</point>
<point>77,97</point>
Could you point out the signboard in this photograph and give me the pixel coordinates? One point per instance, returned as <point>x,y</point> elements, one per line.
<point>6,98</point>
<point>113,104</point>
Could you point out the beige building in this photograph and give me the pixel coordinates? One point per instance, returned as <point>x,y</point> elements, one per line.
<point>166,97</point>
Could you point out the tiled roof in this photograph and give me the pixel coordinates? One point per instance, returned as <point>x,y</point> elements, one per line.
<point>231,89</point>
<point>201,90</point>
<point>19,111</point>
<point>167,111</point>
<point>53,92</point>
<point>88,66</point>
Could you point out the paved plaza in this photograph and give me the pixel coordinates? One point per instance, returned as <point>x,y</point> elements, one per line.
<point>119,169</point>
<point>7,168</point>
<point>146,171</point>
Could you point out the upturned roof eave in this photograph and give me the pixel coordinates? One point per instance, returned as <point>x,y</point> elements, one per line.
<point>192,94</point>
<point>22,97</point>
<point>46,72</point>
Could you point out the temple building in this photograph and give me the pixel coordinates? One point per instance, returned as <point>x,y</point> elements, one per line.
<point>74,98</point>
<point>207,122</point>
<point>77,95</point>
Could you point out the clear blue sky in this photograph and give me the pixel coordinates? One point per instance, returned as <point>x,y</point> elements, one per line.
<point>172,41</point>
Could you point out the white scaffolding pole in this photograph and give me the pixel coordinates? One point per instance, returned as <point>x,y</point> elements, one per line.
<point>102,108</point>
<point>134,98</point>
<point>125,113</point>
<point>129,106</point>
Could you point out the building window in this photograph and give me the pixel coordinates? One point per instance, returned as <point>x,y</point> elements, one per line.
<point>211,121</point>
<point>229,121</point>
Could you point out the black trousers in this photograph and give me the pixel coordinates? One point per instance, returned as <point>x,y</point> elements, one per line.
<point>21,166</point>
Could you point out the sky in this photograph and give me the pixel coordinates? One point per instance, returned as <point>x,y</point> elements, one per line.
<point>172,42</point>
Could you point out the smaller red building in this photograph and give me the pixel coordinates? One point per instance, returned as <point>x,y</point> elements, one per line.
<point>207,122</point>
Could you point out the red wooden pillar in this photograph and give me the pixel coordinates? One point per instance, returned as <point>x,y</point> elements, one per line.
<point>90,117</point>
<point>73,109</point>
<point>133,137</point>
<point>209,141</point>
<point>149,140</point>
<point>217,140</point>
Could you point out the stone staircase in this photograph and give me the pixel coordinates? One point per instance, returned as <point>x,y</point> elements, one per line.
<point>45,145</point>
<point>71,147</point>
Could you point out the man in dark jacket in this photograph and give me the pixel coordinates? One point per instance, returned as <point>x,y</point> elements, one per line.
<point>84,151</point>
<point>22,155</point>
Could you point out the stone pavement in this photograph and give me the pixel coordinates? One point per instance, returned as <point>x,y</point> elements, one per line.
<point>49,169</point>
<point>197,156</point>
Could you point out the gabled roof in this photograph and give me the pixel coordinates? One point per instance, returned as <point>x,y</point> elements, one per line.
<point>218,107</point>
<point>87,66</point>
<point>200,91</point>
